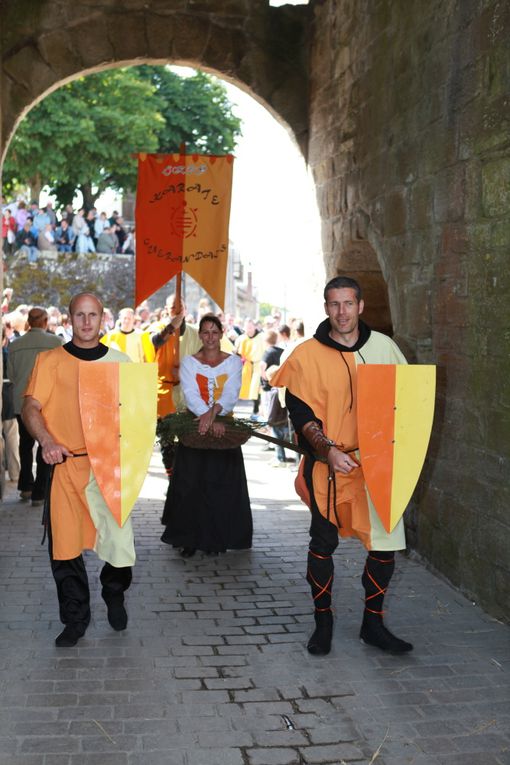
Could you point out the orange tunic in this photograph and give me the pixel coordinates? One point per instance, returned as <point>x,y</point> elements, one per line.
<point>79,517</point>
<point>325,380</point>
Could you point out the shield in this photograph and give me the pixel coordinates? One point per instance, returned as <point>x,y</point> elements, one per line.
<point>118,415</point>
<point>395,413</point>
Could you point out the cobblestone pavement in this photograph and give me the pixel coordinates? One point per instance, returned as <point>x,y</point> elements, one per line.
<point>213,669</point>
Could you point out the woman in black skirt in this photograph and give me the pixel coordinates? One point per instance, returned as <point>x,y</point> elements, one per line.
<point>207,506</point>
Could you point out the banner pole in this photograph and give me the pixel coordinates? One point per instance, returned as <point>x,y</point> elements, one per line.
<point>178,309</point>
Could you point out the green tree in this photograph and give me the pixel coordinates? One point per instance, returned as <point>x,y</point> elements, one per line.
<point>82,136</point>
<point>196,112</point>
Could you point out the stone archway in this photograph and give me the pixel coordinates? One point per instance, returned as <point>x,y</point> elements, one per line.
<point>359,261</point>
<point>261,49</point>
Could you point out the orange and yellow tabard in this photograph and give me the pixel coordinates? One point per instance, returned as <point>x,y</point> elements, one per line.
<point>80,519</point>
<point>136,344</point>
<point>326,381</point>
<point>251,350</point>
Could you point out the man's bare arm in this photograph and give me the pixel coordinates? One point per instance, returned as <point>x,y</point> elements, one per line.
<point>34,423</point>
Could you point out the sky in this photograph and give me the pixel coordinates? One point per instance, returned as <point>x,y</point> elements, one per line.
<point>274,220</point>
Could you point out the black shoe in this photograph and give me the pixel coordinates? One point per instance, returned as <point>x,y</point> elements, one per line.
<point>69,636</point>
<point>188,552</point>
<point>375,633</point>
<point>320,642</point>
<point>117,614</point>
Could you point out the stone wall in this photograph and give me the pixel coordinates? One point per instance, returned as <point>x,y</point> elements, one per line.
<point>45,43</point>
<point>410,149</point>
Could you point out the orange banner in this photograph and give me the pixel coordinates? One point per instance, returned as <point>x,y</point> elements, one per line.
<point>182,216</point>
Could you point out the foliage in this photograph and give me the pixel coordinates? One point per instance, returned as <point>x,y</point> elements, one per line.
<point>183,426</point>
<point>196,112</point>
<point>81,136</point>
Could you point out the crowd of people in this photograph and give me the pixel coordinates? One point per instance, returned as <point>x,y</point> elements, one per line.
<point>29,230</point>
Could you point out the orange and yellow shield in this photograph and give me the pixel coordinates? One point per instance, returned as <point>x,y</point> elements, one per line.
<point>395,413</point>
<point>118,415</point>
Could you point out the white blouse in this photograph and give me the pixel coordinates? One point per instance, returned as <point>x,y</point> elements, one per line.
<point>203,386</point>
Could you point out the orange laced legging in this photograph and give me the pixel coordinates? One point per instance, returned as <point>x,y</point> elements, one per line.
<point>376,577</point>
<point>319,575</point>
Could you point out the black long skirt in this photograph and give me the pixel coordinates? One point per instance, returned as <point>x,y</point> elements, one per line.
<point>207,505</point>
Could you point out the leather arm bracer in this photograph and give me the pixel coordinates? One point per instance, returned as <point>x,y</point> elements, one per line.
<point>315,436</point>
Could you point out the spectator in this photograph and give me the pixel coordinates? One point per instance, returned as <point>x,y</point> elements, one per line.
<point>90,220</point>
<point>274,413</point>
<point>50,212</point>
<point>78,223</point>
<point>128,248</point>
<point>21,214</point>
<point>27,243</point>
<point>65,329</point>
<point>41,220</point>
<point>9,423</point>
<point>7,297</point>
<point>100,223</point>
<point>64,237</point>
<point>283,336</point>
<point>121,233</point>
<point>107,242</point>
<point>84,242</point>
<point>21,359</point>
<point>8,232</point>
<point>68,214</point>
<point>46,240</point>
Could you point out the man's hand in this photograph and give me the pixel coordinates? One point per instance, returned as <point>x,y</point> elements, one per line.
<point>177,320</point>
<point>340,462</point>
<point>52,453</point>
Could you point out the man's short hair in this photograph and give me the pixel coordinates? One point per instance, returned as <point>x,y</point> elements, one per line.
<point>37,316</point>
<point>343,282</point>
<point>80,295</point>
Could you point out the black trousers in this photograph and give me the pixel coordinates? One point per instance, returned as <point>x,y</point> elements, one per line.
<point>323,543</point>
<point>73,587</point>
<point>26,477</point>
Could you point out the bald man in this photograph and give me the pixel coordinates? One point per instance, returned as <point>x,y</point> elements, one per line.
<point>22,354</point>
<point>78,518</point>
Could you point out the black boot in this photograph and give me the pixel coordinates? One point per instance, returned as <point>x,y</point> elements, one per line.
<point>69,636</point>
<point>376,577</point>
<point>115,582</point>
<point>320,641</point>
<point>320,577</point>
<point>373,632</point>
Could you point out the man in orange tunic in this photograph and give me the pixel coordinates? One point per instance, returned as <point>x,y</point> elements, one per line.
<point>320,377</point>
<point>79,518</point>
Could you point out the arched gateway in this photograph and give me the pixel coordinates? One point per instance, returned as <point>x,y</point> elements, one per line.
<point>399,109</point>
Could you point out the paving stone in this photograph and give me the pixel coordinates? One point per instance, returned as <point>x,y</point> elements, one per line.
<point>226,678</point>
<point>275,756</point>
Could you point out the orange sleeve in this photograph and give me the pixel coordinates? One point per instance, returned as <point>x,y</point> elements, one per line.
<point>40,384</point>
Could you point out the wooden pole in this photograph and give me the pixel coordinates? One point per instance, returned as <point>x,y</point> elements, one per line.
<point>178,309</point>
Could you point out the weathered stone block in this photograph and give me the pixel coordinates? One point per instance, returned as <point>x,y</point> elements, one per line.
<point>91,43</point>
<point>496,187</point>
<point>130,40</point>
<point>395,218</point>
